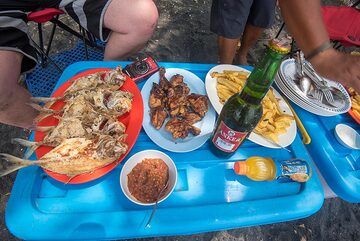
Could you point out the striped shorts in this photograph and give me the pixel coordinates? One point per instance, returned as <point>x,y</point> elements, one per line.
<point>14,30</point>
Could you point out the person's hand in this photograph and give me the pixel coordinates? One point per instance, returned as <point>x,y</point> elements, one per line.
<point>334,65</point>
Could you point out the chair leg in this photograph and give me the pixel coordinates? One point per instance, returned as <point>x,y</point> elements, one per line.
<point>42,53</point>
<point>41,45</point>
<point>51,37</point>
<point>281,28</point>
<point>76,34</point>
<point>82,31</point>
<point>337,45</point>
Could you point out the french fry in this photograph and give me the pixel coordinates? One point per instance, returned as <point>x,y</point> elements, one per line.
<point>280,131</point>
<point>270,128</point>
<point>280,124</point>
<point>229,84</point>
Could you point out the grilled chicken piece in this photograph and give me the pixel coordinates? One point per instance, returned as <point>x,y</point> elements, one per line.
<point>177,80</point>
<point>177,106</point>
<point>181,128</point>
<point>180,110</point>
<point>178,91</point>
<point>158,116</point>
<point>164,82</point>
<point>157,96</point>
<point>198,103</point>
<point>191,117</point>
<point>177,128</point>
<point>194,130</point>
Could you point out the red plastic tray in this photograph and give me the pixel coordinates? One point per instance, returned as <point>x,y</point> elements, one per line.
<point>134,117</point>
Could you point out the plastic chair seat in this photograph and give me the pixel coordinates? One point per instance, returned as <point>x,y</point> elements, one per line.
<point>44,15</point>
<point>342,24</point>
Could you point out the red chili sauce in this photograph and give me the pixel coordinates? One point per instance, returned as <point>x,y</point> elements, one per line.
<point>147,179</point>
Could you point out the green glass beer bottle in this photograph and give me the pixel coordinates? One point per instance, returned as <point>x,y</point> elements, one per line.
<point>242,111</point>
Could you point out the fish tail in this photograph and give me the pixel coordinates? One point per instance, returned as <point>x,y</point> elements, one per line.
<point>23,142</point>
<point>44,128</point>
<point>44,99</point>
<point>9,164</point>
<point>41,108</point>
<point>32,146</point>
<point>41,116</point>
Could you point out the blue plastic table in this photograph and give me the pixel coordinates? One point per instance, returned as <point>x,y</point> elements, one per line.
<point>340,166</point>
<point>207,197</point>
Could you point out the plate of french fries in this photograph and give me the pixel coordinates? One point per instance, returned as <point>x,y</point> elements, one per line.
<point>355,105</point>
<point>277,127</point>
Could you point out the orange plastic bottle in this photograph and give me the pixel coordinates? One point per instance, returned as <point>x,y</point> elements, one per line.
<point>256,168</point>
<point>265,169</point>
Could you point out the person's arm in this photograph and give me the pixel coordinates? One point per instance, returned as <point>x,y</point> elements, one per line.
<point>304,21</point>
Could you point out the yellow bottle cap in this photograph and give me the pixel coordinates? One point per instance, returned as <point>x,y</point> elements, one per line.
<point>240,167</point>
<point>282,45</point>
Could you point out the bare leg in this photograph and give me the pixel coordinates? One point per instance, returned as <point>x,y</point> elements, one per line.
<point>132,23</point>
<point>227,49</point>
<point>13,98</point>
<point>250,36</point>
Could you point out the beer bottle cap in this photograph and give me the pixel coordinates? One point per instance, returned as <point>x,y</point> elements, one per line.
<point>240,167</point>
<point>281,45</point>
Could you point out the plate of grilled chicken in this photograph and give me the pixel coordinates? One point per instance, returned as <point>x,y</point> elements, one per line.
<point>178,116</point>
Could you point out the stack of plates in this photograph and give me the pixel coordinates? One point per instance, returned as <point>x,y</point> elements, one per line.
<point>287,83</point>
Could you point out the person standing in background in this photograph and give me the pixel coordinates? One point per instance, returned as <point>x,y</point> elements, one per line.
<point>235,19</point>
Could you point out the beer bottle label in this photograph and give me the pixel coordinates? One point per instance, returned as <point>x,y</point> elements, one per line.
<point>227,139</point>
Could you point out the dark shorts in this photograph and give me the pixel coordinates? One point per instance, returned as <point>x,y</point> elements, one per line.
<point>229,17</point>
<point>13,23</point>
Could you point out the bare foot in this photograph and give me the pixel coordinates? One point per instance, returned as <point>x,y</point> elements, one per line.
<point>242,60</point>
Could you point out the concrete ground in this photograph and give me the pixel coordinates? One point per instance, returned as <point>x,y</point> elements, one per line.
<point>183,36</point>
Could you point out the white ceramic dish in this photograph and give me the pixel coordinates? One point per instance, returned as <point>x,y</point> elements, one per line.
<point>284,139</point>
<point>287,74</point>
<point>347,136</point>
<point>164,138</point>
<point>137,158</point>
<point>300,102</point>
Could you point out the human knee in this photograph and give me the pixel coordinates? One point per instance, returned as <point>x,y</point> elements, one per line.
<point>146,18</point>
<point>6,98</point>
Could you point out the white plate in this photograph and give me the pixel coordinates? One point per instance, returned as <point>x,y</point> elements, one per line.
<point>164,138</point>
<point>287,73</point>
<point>284,139</point>
<point>300,102</point>
<point>139,157</point>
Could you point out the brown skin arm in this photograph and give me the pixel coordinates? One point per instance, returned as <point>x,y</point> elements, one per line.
<point>304,21</point>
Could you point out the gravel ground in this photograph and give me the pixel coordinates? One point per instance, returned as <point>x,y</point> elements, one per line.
<point>183,35</point>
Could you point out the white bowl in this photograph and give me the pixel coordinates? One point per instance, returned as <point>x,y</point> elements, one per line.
<point>137,158</point>
<point>347,136</point>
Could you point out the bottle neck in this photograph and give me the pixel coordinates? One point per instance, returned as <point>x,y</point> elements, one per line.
<point>240,168</point>
<point>261,78</point>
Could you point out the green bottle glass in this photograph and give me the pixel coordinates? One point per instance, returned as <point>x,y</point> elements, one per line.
<point>242,111</point>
